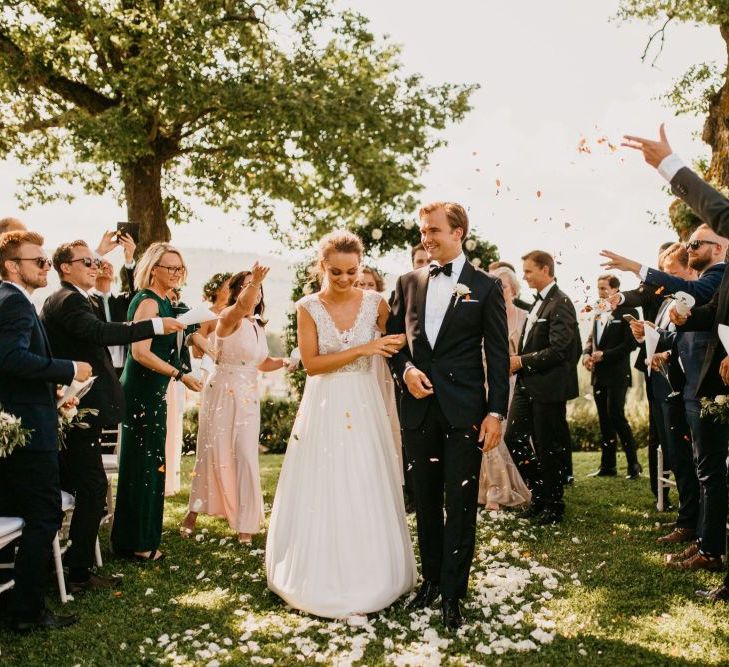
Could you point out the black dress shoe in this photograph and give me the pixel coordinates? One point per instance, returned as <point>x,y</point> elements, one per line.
<point>569,480</point>
<point>452,618</point>
<point>47,620</point>
<point>95,582</point>
<point>604,472</point>
<point>634,471</point>
<point>549,518</point>
<point>425,597</point>
<point>719,594</point>
<point>530,512</point>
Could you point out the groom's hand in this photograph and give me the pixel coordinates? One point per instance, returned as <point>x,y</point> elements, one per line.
<point>490,434</point>
<point>654,152</point>
<point>418,383</point>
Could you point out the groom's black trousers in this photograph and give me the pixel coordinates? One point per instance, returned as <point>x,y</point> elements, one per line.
<point>445,461</point>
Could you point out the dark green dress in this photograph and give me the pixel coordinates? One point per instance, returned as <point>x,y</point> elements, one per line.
<point>141,486</point>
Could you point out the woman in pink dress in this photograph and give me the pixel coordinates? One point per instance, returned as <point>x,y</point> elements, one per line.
<point>226,481</point>
<point>500,484</point>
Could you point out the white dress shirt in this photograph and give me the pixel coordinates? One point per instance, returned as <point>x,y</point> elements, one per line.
<point>536,309</point>
<point>601,320</point>
<point>438,298</point>
<point>116,351</point>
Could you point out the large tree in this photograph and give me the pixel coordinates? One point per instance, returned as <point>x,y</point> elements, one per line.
<point>703,89</point>
<point>286,108</point>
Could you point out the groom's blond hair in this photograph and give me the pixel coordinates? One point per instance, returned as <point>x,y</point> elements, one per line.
<point>455,213</point>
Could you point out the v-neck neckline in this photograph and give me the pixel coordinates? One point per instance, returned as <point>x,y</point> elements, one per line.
<point>356,317</point>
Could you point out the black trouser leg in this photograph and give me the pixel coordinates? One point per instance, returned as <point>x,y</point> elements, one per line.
<point>82,475</point>
<point>711,453</point>
<point>424,449</point>
<point>462,455</point>
<point>30,489</point>
<point>678,443</point>
<point>566,439</point>
<point>549,446</point>
<point>518,439</point>
<point>607,429</point>
<point>616,411</point>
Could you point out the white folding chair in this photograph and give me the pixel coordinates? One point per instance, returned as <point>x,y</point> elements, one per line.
<point>111,468</point>
<point>663,481</point>
<point>11,528</point>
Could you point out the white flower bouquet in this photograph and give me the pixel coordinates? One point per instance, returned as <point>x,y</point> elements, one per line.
<point>12,433</point>
<point>72,417</point>
<point>717,407</point>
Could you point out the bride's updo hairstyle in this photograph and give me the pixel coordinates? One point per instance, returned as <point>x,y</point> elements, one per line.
<point>339,241</point>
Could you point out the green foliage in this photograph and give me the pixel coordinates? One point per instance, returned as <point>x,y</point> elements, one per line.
<point>585,428</point>
<point>190,423</point>
<point>690,11</point>
<point>243,104</point>
<point>693,92</point>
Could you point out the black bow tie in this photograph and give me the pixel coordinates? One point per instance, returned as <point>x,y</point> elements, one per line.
<point>446,269</point>
<point>538,296</point>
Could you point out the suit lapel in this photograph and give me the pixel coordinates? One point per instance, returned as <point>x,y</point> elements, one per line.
<point>465,278</point>
<point>541,307</point>
<point>421,291</point>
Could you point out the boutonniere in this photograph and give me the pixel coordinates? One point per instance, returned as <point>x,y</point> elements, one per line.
<point>461,291</point>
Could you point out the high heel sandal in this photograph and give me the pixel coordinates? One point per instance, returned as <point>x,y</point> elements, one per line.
<point>186,532</point>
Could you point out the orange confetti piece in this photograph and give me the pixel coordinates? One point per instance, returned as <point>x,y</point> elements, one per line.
<point>161,468</point>
<point>660,289</point>
<point>498,182</point>
<point>539,194</point>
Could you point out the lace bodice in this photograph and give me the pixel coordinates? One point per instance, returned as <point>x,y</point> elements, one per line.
<point>332,340</point>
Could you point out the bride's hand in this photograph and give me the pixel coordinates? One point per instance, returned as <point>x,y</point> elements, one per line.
<point>385,346</point>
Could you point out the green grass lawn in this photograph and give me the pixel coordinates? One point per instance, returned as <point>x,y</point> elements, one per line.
<point>591,591</point>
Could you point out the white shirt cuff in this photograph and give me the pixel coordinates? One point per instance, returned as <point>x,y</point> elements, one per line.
<point>75,370</point>
<point>130,265</point>
<point>622,299</point>
<point>643,273</point>
<point>670,165</point>
<point>408,367</point>
<point>159,327</point>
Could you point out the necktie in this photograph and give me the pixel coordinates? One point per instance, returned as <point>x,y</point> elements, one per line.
<point>446,269</point>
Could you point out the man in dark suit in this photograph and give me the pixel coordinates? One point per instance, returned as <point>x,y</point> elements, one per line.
<point>607,357</point>
<point>111,307</point>
<point>451,313</point>
<point>546,378</point>
<point>74,329</point>
<point>29,478</point>
<point>713,208</point>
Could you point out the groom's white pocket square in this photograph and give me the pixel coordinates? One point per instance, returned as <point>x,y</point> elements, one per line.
<point>542,319</point>
<point>470,301</point>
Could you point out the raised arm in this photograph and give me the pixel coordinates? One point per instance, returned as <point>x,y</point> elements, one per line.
<point>702,289</point>
<point>244,305</point>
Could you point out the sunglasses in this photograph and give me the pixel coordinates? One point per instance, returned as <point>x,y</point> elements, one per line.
<point>41,262</point>
<point>172,270</point>
<point>88,262</point>
<point>695,245</point>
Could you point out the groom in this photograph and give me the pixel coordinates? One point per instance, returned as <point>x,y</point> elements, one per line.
<point>451,313</point>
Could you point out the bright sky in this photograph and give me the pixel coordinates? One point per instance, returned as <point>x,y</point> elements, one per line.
<point>550,73</point>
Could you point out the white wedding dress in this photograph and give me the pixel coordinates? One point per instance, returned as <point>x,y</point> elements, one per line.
<point>338,542</point>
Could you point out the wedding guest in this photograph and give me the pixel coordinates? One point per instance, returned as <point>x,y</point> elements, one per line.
<point>74,330</point>
<point>370,279</point>
<point>665,384</point>
<point>226,481</point>
<point>545,366</point>
<point>607,357</point>
<point>29,478</point>
<point>216,292</point>
<point>111,307</point>
<point>418,256</point>
<point>518,302</point>
<point>500,484</point>
<point>11,225</point>
<point>137,528</point>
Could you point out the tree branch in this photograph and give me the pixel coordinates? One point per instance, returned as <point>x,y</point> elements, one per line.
<point>44,76</point>
<point>660,32</point>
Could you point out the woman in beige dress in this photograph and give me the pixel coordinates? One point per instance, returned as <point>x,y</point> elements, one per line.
<point>370,279</point>
<point>226,481</point>
<point>501,485</point>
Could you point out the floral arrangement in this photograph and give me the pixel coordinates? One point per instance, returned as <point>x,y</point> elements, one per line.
<point>12,434</point>
<point>717,407</point>
<point>69,418</point>
<point>212,286</point>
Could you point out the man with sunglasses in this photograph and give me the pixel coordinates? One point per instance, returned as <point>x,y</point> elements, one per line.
<point>74,328</point>
<point>29,477</point>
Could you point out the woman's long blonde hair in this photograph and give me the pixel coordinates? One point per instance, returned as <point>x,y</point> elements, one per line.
<point>150,259</point>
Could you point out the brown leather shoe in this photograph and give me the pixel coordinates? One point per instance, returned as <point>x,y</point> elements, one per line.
<point>678,535</point>
<point>698,561</point>
<point>689,551</point>
<point>95,582</point>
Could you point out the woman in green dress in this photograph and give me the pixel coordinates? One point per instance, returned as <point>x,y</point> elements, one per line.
<point>137,528</point>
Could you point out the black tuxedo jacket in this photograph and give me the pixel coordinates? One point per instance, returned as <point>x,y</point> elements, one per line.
<point>454,364</point>
<point>75,331</point>
<point>28,372</point>
<point>551,350</point>
<point>616,344</point>
<point>118,303</point>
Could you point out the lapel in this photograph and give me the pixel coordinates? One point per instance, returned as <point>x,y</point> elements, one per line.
<point>38,324</point>
<point>421,291</point>
<point>540,310</point>
<point>595,343</point>
<point>465,278</point>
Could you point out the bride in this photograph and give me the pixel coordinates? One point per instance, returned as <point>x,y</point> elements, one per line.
<point>338,544</point>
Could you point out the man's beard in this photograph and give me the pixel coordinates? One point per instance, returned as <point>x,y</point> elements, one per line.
<point>699,264</point>
<point>33,283</point>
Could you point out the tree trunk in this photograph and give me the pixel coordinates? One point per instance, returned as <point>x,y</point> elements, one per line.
<point>143,193</point>
<point>716,126</point>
